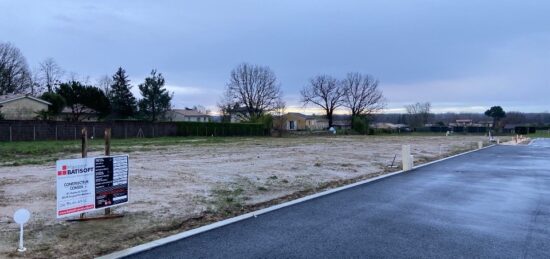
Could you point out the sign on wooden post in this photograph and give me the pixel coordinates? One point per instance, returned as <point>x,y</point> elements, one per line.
<point>89,184</point>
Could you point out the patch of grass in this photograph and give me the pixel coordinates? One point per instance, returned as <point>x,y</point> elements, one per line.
<point>39,152</point>
<point>540,134</point>
<point>228,200</point>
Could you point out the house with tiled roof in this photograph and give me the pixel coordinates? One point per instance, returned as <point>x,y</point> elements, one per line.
<point>21,106</point>
<point>188,114</point>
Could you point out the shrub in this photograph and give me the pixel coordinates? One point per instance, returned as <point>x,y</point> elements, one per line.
<point>522,130</point>
<point>360,124</point>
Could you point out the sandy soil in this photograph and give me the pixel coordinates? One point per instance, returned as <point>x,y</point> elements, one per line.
<point>173,184</point>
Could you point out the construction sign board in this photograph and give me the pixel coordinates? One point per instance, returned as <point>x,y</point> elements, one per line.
<point>88,184</point>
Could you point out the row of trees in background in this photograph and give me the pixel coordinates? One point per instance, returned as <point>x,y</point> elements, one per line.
<point>110,97</point>
<point>418,114</point>
<point>253,92</point>
<point>512,117</point>
<point>357,92</point>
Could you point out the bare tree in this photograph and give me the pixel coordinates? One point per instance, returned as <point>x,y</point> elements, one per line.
<point>104,83</point>
<point>418,114</point>
<point>362,95</point>
<point>514,118</point>
<point>225,106</point>
<point>50,74</point>
<point>36,87</point>
<point>75,77</point>
<point>15,76</point>
<point>279,120</point>
<point>253,88</point>
<point>325,92</point>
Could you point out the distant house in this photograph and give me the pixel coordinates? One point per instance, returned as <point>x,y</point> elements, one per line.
<point>81,113</point>
<point>341,121</point>
<point>387,125</point>
<point>488,124</point>
<point>464,123</point>
<point>298,121</point>
<point>471,123</point>
<point>188,115</point>
<point>21,107</point>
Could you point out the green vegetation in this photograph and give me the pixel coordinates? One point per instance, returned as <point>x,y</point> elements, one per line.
<point>220,129</point>
<point>57,101</point>
<point>497,113</point>
<point>123,102</point>
<point>39,152</point>
<point>540,134</point>
<point>227,201</point>
<point>360,124</point>
<point>156,98</point>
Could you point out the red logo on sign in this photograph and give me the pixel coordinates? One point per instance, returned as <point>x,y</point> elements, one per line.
<point>63,171</point>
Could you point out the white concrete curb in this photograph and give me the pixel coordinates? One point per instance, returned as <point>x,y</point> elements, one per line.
<point>533,141</point>
<point>185,234</point>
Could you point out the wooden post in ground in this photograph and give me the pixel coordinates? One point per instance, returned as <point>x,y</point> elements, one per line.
<point>84,137</point>
<point>107,153</point>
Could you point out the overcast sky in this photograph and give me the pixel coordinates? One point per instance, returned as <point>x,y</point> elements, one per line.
<point>458,55</point>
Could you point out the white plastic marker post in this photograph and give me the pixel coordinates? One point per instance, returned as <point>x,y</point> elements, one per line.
<point>479,145</point>
<point>21,217</point>
<point>406,157</point>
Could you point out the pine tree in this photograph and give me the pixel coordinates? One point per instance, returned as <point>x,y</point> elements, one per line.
<point>123,102</point>
<point>156,99</point>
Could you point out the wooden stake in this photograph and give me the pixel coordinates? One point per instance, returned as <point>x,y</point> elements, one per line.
<point>84,136</point>
<point>107,153</point>
<point>107,135</point>
<point>108,141</point>
<point>84,143</point>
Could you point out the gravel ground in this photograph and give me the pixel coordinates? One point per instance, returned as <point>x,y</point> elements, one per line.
<point>173,187</point>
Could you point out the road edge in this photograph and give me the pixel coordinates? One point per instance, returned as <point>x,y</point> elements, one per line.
<point>205,228</point>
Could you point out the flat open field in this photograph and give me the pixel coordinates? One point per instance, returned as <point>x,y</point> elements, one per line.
<point>188,182</point>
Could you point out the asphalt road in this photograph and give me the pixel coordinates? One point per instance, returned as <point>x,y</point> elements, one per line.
<point>493,203</point>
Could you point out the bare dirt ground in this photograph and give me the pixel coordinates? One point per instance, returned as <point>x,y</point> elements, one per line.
<point>174,188</point>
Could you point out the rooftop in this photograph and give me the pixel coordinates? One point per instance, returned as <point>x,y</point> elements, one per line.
<point>12,97</point>
<point>189,112</point>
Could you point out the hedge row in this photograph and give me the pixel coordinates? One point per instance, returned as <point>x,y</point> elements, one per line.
<point>523,130</point>
<point>454,129</point>
<point>220,129</point>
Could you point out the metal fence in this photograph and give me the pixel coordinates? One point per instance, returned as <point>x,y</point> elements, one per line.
<point>62,130</point>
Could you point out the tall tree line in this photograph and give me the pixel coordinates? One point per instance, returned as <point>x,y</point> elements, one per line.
<point>357,92</point>
<point>111,97</point>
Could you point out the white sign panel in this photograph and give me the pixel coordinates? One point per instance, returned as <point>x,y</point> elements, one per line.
<point>87,184</point>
